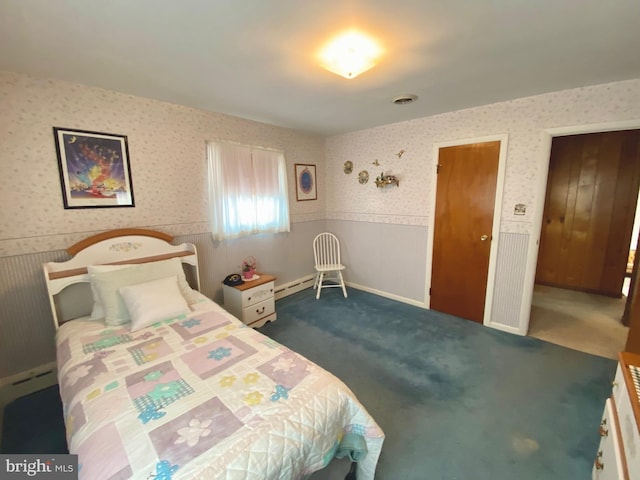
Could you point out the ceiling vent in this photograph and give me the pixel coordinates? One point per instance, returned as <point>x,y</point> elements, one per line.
<point>405,99</point>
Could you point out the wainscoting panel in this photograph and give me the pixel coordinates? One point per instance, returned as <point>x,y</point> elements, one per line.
<point>26,325</point>
<point>509,283</point>
<point>205,249</point>
<point>384,257</point>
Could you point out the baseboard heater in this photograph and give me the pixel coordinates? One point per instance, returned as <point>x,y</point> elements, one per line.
<point>24,383</point>
<point>295,286</point>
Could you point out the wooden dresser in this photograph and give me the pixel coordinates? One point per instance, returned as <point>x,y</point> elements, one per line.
<point>618,455</point>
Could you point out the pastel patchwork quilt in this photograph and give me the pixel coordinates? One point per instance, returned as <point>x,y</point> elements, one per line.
<point>202,396</point>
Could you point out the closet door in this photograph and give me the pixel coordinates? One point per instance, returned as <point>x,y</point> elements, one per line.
<point>465,201</point>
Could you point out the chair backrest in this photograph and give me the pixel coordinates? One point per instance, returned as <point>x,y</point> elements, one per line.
<point>326,249</point>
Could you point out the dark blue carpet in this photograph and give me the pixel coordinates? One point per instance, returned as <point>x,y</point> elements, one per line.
<point>456,400</point>
<point>34,424</point>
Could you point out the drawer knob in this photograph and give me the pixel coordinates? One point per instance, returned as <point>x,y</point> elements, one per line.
<point>603,431</point>
<point>261,310</point>
<point>614,384</point>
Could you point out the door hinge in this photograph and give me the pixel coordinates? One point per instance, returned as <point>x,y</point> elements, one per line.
<point>429,291</point>
<point>438,168</point>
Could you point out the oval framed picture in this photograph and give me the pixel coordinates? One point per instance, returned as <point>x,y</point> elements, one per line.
<point>305,182</point>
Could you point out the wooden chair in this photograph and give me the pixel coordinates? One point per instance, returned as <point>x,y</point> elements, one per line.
<point>326,251</point>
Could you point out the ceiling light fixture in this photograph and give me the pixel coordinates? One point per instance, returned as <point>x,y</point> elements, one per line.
<point>350,54</point>
<point>405,99</point>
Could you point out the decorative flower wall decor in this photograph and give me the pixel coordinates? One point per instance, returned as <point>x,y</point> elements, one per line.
<point>384,180</point>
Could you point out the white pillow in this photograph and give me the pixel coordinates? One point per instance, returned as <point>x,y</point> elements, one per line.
<point>153,301</point>
<point>97,313</point>
<point>107,283</point>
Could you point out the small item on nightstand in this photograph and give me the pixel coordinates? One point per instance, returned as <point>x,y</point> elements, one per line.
<point>248,268</point>
<point>233,280</point>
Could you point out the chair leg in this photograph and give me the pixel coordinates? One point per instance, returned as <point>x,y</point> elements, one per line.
<point>315,281</point>
<point>344,290</point>
<point>320,278</point>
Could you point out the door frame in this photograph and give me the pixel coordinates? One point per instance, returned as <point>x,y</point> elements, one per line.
<point>497,214</point>
<point>540,196</point>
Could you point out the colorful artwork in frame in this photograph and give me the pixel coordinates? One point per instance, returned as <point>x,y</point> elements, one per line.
<point>305,182</point>
<point>94,169</point>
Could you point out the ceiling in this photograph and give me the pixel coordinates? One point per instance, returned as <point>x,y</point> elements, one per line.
<point>256,59</point>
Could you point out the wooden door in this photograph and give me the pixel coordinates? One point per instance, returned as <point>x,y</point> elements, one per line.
<point>465,199</point>
<point>592,190</point>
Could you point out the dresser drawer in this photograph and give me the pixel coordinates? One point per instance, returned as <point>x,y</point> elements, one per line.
<point>630,435</point>
<point>257,294</point>
<point>619,388</point>
<point>258,311</point>
<point>609,463</point>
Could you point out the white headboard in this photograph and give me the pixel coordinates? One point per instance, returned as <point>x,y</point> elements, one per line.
<point>129,245</point>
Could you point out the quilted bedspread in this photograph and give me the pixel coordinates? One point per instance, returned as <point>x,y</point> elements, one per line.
<point>202,396</point>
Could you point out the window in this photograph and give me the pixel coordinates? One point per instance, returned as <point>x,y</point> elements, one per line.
<point>247,190</point>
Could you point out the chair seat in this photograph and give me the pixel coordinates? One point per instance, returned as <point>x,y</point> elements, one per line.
<point>329,268</point>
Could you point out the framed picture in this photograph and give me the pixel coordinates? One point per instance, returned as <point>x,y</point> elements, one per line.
<point>94,169</point>
<point>305,182</point>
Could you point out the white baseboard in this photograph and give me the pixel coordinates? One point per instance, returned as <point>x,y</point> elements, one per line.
<point>391,296</point>
<point>307,281</point>
<point>505,328</point>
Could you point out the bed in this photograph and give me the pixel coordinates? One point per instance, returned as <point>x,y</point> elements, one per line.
<point>159,382</point>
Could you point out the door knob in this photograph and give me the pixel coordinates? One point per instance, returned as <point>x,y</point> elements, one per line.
<point>484,238</point>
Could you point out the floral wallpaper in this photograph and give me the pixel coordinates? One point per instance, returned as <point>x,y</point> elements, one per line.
<point>167,154</point>
<point>168,166</point>
<point>524,120</point>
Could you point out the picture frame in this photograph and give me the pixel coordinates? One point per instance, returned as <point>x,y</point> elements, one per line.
<point>94,169</point>
<point>305,182</point>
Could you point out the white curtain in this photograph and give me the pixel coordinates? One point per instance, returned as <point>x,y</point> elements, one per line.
<point>247,190</point>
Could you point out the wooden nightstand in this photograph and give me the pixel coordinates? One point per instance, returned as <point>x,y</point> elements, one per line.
<point>253,301</point>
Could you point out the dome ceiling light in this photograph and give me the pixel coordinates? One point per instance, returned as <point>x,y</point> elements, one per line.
<point>350,54</point>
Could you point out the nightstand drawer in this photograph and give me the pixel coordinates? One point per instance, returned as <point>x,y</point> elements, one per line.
<point>257,294</point>
<point>259,310</point>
